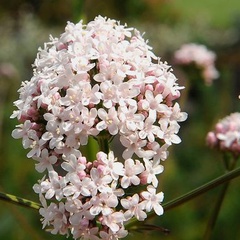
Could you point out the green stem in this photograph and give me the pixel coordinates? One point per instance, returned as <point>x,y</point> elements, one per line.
<point>230,164</point>
<point>192,194</point>
<point>216,210</point>
<point>78,10</point>
<point>103,143</point>
<point>202,189</point>
<point>19,201</point>
<point>167,206</point>
<point>90,150</point>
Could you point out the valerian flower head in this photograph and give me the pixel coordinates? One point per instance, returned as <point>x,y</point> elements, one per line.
<point>199,55</point>
<point>98,80</point>
<point>226,134</point>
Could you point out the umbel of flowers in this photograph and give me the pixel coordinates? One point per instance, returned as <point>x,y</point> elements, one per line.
<point>100,80</point>
<point>226,134</point>
<point>201,57</point>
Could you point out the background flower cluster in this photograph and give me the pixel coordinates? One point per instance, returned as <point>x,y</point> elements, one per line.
<point>226,134</point>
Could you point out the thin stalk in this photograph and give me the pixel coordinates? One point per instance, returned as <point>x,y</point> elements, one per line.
<point>216,210</point>
<point>202,189</point>
<point>19,201</point>
<point>167,206</point>
<point>103,143</point>
<point>192,194</point>
<point>230,165</point>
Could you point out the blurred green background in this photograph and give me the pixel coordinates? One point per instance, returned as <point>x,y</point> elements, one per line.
<point>26,25</point>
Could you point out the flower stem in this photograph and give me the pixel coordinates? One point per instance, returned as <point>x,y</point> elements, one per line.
<point>167,206</point>
<point>216,210</point>
<point>103,143</point>
<point>192,194</point>
<point>230,164</point>
<point>202,189</point>
<point>19,201</point>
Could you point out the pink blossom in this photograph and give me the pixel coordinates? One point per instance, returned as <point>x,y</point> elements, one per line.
<point>152,169</point>
<point>201,56</point>
<point>113,221</point>
<point>100,80</point>
<point>46,161</point>
<point>226,134</point>
<point>109,121</point>
<point>152,200</point>
<point>131,171</point>
<point>134,208</point>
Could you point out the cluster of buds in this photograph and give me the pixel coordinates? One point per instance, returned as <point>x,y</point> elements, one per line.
<point>99,80</point>
<point>201,57</point>
<point>226,135</point>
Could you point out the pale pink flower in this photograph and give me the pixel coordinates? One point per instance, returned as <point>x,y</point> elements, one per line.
<point>100,181</point>
<point>109,121</point>
<point>114,221</point>
<point>226,134</point>
<point>121,233</point>
<point>132,169</point>
<point>152,200</point>
<point>134,208</point>
<point>98,78</point>
<point>152,169</point>
<point>78,186</point>
<point>45,160</point>
<point>110,165</point>
<point>53,186</point>
<point>73,164</point>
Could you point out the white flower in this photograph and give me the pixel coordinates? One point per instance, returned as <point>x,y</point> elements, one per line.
<point>114,221</point>
<point>133,145</point>
<point>78,186</point>
<point>109,121</point>
<point>152,169</point>
<point>111,166</point>
<point>131,171</point>
<point>121,233</point>
<point>150,130</point>
<point>152,200</point>
<point>100,182</point>
<point>130,120</point>
<point>45,160</point>
<point>22,130</point>
<point>134,208</point>
<point>55,215</point>
<point>151,101</point>
<point>53,186</point>
<point>87,234</point>
<point>73,164</point>
<point>104,203</point>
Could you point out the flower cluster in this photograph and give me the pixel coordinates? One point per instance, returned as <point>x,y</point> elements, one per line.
<point>97,193</point>
<point>201,57</point>
<point>100,80</point>
<point>226,135</point>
